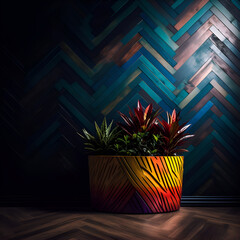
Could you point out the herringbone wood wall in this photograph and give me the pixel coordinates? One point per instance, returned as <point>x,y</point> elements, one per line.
<point>68,63</point>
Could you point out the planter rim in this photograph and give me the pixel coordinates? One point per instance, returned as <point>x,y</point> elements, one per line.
<point>133,156</point>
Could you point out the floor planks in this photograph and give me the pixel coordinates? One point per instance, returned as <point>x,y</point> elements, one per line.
<point>188,223</point>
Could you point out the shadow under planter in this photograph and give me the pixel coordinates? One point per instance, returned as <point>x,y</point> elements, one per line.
<point>136,184</point>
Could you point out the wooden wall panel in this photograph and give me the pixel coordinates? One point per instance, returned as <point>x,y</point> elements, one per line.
<point>101,57</point>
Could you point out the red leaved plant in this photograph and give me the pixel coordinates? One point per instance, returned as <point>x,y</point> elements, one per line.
<point>140,121</point>
<point>173,135</point>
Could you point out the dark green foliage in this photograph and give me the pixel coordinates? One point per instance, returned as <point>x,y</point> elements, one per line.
<point>103,142</point>
<point>138,144</point>
<point>142,135</point>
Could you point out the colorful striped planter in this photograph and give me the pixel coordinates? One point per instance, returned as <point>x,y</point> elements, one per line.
<point>135,184</point>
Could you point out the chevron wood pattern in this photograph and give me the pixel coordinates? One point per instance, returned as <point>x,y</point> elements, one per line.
<point>101,57</point>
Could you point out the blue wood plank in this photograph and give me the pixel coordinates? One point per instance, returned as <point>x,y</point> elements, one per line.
<point>200,22</point>
<point>201,112</point>
<point>132,60</point>
<point>148,20</point>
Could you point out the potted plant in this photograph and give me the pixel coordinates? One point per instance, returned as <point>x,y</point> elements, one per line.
<point>134,167</point>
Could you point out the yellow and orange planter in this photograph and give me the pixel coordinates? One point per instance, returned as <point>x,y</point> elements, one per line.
<point>136,184</point>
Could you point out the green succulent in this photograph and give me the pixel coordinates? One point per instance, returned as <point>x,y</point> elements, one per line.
<point>104,139</point>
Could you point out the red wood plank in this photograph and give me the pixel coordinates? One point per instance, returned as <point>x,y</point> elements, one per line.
<point>192,44</point>
<point>130,53</point>
<point>189,12</point>
<point>183,38</point>
<point>128,50</point>
<point>199,75</point>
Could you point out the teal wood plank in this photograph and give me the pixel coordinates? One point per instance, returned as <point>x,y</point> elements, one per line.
<point>157,81</point>
<point>158,74</point>
<point>182,95</point>
<point>170,49</point>
<point>150,92</point>
<point>163,33</point>
<point>236,3</point>
<point>193,20</point>
<point>177,3</point>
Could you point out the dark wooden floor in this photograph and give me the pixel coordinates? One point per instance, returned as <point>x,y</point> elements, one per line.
<point>189,223</point>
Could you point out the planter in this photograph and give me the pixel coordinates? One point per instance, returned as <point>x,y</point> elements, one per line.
<point>133,184</point>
